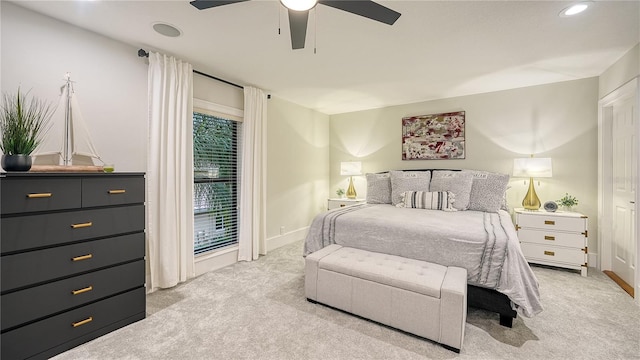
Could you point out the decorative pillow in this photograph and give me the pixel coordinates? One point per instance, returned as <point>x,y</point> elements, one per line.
<point>439,200</point>
<point>402,181</point>
<point>487,191</point>
<point>458,182</point>
<point>379,188</point>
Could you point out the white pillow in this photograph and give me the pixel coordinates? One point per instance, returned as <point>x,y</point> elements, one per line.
<point>458,182</point>
<point>379,188</point>
<point>438,200</point>
<point>487,191</point>
<point>402,181</point>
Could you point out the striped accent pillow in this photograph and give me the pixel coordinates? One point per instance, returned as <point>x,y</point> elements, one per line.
<point>437,200</point>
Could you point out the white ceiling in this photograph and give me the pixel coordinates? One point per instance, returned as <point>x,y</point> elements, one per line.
<point>436,49</point>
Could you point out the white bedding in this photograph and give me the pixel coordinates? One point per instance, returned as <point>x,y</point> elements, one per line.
<point>484,243</point>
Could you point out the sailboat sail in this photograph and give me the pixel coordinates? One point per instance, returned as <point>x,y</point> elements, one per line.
<point>68,139</point>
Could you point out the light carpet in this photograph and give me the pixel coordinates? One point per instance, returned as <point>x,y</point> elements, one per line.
<point>258,310</point>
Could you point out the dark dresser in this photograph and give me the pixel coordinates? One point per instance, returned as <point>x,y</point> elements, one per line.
<point>71,257</point>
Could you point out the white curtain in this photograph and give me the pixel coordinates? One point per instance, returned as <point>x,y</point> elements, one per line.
<point>252,231</point>
<point>170,172</point>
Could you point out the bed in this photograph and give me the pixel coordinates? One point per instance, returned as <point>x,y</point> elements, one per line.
<point>483,242</point>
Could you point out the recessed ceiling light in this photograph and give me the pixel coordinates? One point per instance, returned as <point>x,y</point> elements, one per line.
<point>166,29</point>
<point>574,9</point>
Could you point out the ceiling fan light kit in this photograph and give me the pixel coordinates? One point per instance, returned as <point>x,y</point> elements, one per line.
<point>299,13</point>
<point>299,5</point>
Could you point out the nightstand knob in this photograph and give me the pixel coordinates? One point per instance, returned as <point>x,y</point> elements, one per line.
<point>549,237</point>
<point>549,222</point>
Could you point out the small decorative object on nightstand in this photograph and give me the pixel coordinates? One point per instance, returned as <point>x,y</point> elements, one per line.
<point>553,238</point>
<point>338,203</point>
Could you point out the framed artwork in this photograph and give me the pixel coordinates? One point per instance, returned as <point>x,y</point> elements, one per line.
<point>433,137</point>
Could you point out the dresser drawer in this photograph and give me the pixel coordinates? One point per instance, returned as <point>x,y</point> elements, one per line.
<point>37,302</point>
<point>33,231</point>
<point>553,254</point>
<point>29,195</point>
<point>41,336</point>
<point>551,238</point>
<point>112,191</point>
<point>556,223</point>
<point>33,267</point>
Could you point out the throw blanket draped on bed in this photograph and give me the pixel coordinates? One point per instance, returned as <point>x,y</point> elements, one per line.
<point>485,244</point>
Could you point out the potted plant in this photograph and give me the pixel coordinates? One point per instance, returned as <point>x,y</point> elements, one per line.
<point>568,202</point>
<point>340,193</point>
<point>23,123</point>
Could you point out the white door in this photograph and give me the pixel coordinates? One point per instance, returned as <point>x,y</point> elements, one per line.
<point>624,171</point>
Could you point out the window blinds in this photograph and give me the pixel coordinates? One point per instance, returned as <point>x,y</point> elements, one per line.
<point>216,180</point>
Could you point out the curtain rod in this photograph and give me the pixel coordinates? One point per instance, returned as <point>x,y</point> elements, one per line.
<point>144,53</point>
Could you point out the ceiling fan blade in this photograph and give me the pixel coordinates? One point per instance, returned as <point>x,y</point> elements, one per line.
<point>298,27</point>
<point>366,8</point>
<point>206,4</point>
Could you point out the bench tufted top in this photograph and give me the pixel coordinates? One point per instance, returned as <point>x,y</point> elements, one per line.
<point>407,274</point>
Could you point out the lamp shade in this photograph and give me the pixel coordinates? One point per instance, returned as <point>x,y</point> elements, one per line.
<point>532,167</point>
<point>350,168</point>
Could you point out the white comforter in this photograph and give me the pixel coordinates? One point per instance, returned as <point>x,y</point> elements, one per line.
<point>485,244</point>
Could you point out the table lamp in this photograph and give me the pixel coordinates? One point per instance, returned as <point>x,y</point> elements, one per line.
<point>532,167</point>
<point>351,168</point>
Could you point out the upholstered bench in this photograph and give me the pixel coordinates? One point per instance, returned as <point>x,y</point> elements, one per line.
<point>418,297</point>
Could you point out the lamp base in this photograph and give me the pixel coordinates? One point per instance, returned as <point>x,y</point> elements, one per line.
<point>531,201</point>
<point>351,190</point>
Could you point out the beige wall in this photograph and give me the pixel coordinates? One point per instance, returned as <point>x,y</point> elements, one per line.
<point>217,92</point>
<point>618,74</point>
<point>111,80</point>
<point>557,120</point>
<point>297,166</point>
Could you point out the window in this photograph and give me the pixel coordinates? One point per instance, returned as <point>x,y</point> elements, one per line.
<point>216,182</point>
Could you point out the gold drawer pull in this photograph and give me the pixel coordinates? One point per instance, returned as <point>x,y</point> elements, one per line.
<point>550,253</point>
<point>549,222</point>
<point>83,257</point>
<point>39,195</point>
<point>80,291</point>
<point>120,191</point>
<point>546,237</point>
<point>83,225</point>
<point>80,323</point>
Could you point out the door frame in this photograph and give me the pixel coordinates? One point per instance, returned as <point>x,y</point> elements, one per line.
<point>605,185</point>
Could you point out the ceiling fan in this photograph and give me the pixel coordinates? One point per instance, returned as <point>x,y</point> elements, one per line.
<point>299,13</point>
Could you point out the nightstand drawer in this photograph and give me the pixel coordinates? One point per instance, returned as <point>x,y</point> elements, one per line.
<point>43,335</point>
<point>555,223</point>
<point>340,203</point>
<point>112,191</point>
<point>34,231</point>
<point>18,270</point>
<point>38,302</point>
<point>31,195</point>
<point>552,238</point>
<point>553,254</point>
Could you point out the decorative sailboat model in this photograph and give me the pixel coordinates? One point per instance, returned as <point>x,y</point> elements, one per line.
<point>67,145</point>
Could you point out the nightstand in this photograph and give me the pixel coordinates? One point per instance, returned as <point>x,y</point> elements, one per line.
<point>553,238</point>
<point>338,203</point>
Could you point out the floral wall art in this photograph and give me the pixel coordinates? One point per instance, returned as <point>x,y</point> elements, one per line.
<point>433,137</point>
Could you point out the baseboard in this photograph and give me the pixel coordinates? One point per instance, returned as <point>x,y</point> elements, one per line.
<point>286,239</point>
<point>229,256</point>
<point>216,260</point>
